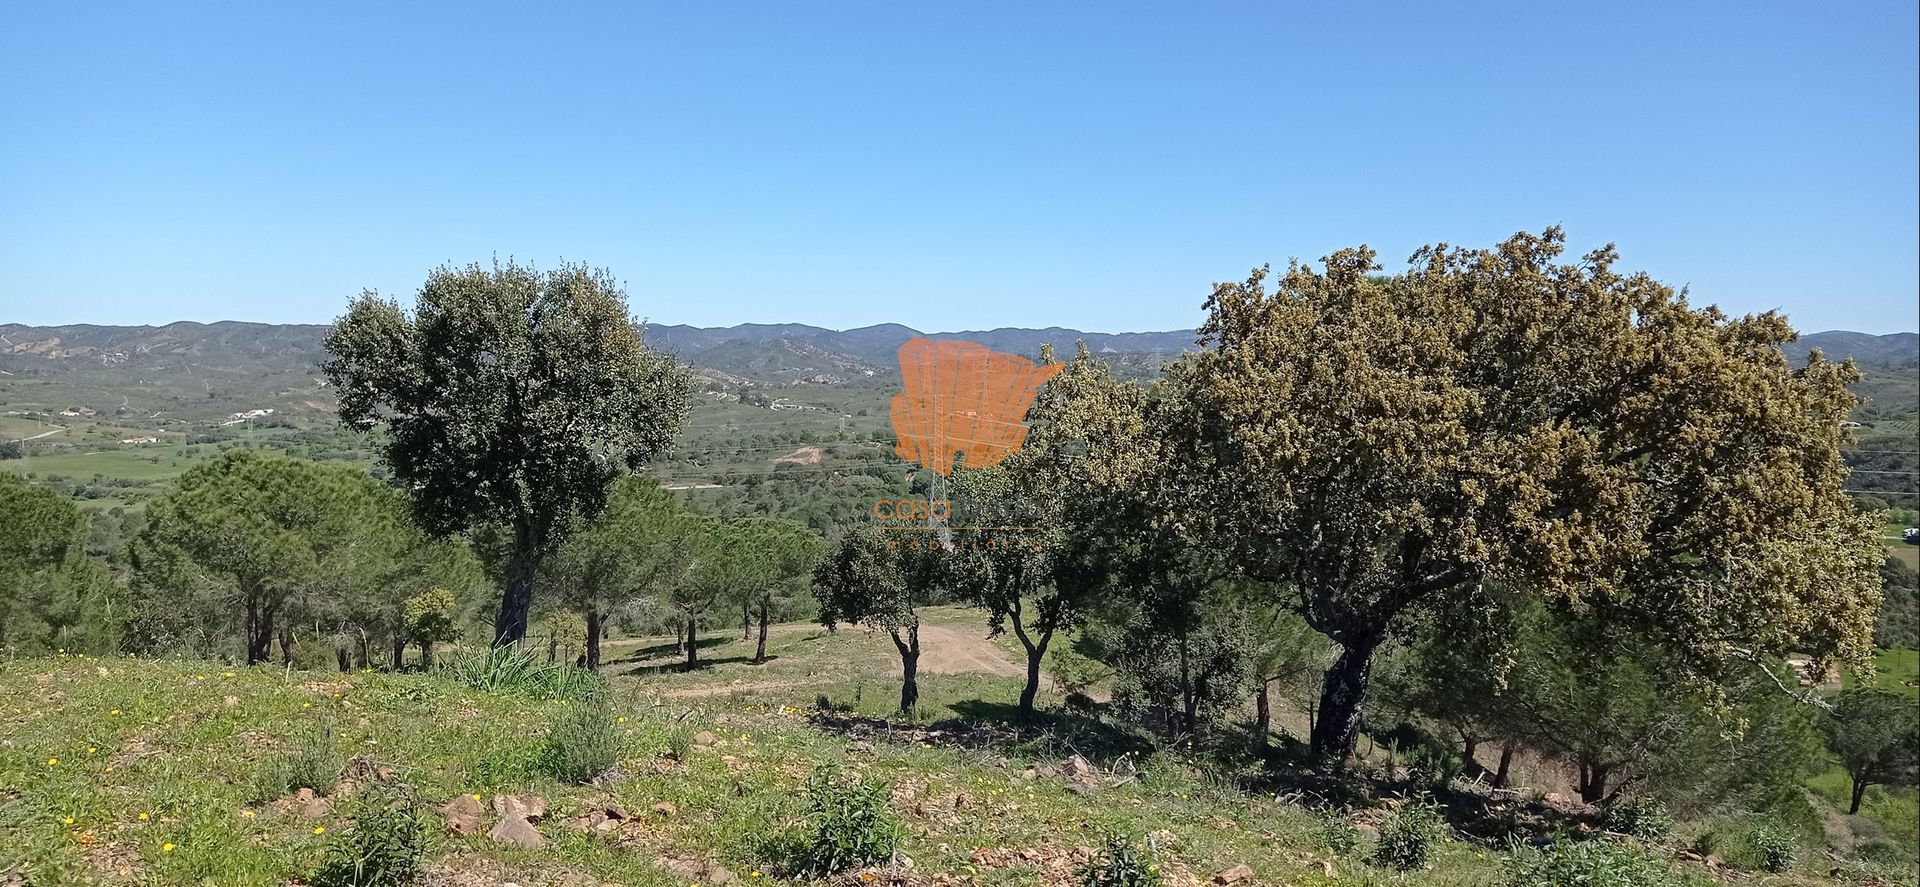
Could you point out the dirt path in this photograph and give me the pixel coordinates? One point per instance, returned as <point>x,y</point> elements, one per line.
<point>948,650</point>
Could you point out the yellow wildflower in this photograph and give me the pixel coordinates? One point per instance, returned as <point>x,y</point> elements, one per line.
<point>53,762</point>
<point>91,749</point>
<point>66,820</point>
<point>319,829</point>
<point>144,816</point>
<point>167,847</point>
<point>247,814</point>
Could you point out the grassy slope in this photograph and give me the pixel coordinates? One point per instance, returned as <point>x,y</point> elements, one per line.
<point>181,742</point>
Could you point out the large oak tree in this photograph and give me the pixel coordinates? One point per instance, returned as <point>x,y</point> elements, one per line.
<point>511,397</point>
<point>1371,444</point>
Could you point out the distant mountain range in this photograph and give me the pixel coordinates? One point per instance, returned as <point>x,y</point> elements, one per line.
<point>236,344</point>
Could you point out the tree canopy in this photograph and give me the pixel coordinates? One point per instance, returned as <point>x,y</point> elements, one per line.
<point>511,397</point>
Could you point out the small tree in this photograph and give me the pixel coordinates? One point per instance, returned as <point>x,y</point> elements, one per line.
<point>1876,735</point>
<point>635,548</point>
<point>511,398</point>
<point>785,555</point>
<point>870,579</point>
<point>51,594</point>
<point>429,618</point>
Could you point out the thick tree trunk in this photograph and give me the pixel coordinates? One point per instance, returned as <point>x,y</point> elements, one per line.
<point>1859,792</point>
<point>693,643</point>
<point>679,638</point>
<point>344,657</point>
<point>516,599</point>
<point>399,652</point>
<point>1506,766</point>
<point>286,647</point>
<point>1036,654</point>
<point>1342,693</point>
<point>426,655</point>
<point>1593,782</point>
<point>593,639</point>
<point>760,649</point>
<point>909,666</point>
<point>1263,714</point>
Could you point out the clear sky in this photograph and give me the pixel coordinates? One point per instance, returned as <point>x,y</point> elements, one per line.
<point>948,166</point>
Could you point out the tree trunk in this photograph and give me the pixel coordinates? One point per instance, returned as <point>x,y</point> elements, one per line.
<point>1036,654</point>
<point>746,619</point>
<point>366,650</point>
<point>259,628</point>
<point>760,649</point>
<point>426,654</point>
<point>1859,792</point>
<point>399,652</point>
<point>593,639</point>
<point>344,657</point>
<point>516,598</point>
<point>679,638</point>
<point>1342,693</point>
<point>693,643</point>
<point>1263,715</point>
<point>909,667</point>
<point>1593,782</point>
<point>1506,765</point>
<point>286,646</point>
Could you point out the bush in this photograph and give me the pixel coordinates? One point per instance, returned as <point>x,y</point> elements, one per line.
<point>1773,847</point>
<point>582,744</point>
<point>1120,863</point>
<point>1433,766</point>
<point>1588,864</point>
<point>1410,837</point>
<point>384,847</point>
<point>310,763</point>
<point>1643,818</point>
<point>849,824</point>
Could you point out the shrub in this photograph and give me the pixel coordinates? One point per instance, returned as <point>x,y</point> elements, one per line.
<point>1433,766</point>
<point>1643,818</point>
<point>1588,864</point>
<point>383,848</point>
<point>1774,848</point>
<point>1121,862</point>
<point>1409,837</point>
<point>310,763</point>
<point>582,744</point>
<point>849,824</point>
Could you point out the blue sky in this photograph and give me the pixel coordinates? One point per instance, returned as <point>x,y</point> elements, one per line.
<point>947,166</point>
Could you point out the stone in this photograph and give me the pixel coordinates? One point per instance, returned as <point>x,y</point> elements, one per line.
<point>1076,766</point>
<point>704,737</point>
<point>718,875</point>
<point>532,808</point>
<point>516,830</point>
<point>1239,874</point>
<point>664,808</point>
<point>615,811</point>
<point>462,815</point>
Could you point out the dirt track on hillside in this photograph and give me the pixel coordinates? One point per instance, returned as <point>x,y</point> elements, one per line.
<point>948,650</point>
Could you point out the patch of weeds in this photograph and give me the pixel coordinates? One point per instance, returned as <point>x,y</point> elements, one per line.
<point>1774,848</point>
<point>1598,863</point>
<point>848,824</point>
<point>1643,818</point>
<point>1335,832</point>
<point>384,846</point>
<point>310,763</point>
<point>518,669</point>
<point>1121,862</point>
<point>1410,837</point>
<point>582,744</point>
<point>507,766</point>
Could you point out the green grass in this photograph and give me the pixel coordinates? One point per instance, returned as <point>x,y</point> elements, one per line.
<point>1894,669</point>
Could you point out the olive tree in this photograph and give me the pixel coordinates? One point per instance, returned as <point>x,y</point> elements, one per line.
<point>1369,445</point>
<point>872,578</point>
<point>510,397</point>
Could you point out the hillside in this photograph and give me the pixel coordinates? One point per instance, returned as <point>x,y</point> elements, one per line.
<point>120,770</point>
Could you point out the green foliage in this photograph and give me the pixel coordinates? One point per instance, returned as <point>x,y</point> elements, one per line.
<point>582,744</point>
<point>848,824</point>
<point>519,669</point>
<point>54,597</point>
<point>1120,862</point>
<point>1774,848</point>
<point>1589,864</point>
<point>1334,830</point>
<point>1643,818</point>
<point>1876,735</point>
<point>429,617</point>
<point>311,763</point>
<point>383,848</point>
<point>511,398</point>
<point>1410,836</point>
